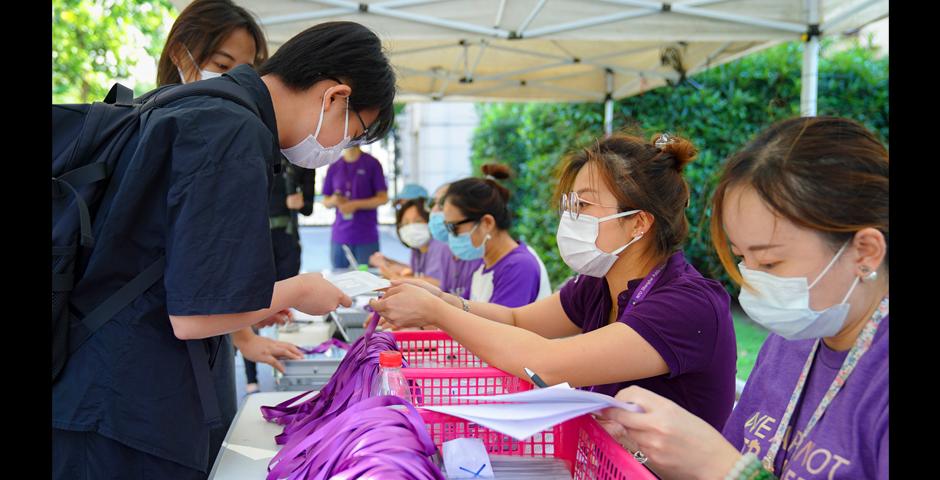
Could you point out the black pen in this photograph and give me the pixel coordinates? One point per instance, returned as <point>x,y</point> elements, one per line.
<point>535,378</point>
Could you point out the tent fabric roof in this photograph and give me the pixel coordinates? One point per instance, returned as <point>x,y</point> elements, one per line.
<point>561,50</point>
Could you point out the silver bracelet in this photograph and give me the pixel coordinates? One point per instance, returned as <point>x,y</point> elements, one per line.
<point>466,306</point>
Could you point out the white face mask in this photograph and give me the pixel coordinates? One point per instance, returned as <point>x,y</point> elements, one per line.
<point>309,153</point>
<point>415,235</point>
<point>577,240</point>
<point>782,304</point>
<point>203,74</point>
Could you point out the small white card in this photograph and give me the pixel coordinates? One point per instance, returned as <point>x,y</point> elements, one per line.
<point>466,458</point>
<point>358,282</point>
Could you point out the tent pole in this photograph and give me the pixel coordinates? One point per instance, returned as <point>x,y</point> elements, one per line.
<point>810,76</point>
<point>609,104</point>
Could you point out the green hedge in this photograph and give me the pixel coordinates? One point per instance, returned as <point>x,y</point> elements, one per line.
<point>730,104</point>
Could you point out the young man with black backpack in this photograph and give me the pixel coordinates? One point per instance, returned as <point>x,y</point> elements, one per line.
<point>180,213</point>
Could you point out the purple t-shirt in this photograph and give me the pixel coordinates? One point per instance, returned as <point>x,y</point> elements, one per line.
<point>431,263</point>
<point>458,275</point>
<point>851,439</point>
<point>686,318</point>
<point>513,281</point>
<point>356,180</point>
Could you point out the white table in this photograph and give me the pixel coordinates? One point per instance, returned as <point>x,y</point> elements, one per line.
<point>249,444</point>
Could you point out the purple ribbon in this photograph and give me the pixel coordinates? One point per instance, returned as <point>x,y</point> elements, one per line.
<point>367,440</point>
<point>351,383</point>
<point>323,347</point>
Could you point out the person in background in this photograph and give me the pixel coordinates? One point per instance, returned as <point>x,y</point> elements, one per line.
<point>457,274</point>
<point>429,257</point>
<point>410,191</point>
<point>356,188</point>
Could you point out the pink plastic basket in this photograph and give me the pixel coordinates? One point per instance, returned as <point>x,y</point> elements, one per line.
<point>441,386</point>
<point>591,453</point>
<point>441,369</point>
<point>434,349</point>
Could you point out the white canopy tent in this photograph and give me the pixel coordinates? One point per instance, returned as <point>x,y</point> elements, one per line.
<point>569,50</point>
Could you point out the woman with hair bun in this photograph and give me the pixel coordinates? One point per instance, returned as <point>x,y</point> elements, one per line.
<point>477,218</point>
<point>637,314</point>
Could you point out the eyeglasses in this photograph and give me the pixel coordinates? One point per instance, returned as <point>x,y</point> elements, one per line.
<point>368,132</point>
<point>433,202</point>
<point>572,204</point>
<point>452,227</point>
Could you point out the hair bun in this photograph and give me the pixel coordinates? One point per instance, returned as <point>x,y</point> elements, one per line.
<point>679,149</point>
<point>496,170</point>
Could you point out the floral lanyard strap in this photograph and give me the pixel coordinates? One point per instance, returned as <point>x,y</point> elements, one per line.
<point>861,346</point>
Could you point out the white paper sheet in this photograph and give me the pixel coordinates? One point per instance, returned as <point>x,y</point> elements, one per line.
<point>531,411</point>
<point>358,282</point>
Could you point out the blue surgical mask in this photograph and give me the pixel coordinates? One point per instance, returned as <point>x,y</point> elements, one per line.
<point>462,246</point>
<point>436,224</point>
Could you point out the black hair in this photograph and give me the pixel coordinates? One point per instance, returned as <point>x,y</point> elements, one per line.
<point>348,52</point>
<point>476,197</point>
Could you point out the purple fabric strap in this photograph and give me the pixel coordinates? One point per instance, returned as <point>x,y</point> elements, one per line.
<point>351,383</point>
<point>325,346</point>
<point>368,440</point>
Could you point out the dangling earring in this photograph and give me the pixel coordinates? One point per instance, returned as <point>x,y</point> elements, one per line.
<point>869,274</point>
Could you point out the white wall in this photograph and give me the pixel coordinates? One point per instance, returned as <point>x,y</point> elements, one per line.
<point>436,141</point>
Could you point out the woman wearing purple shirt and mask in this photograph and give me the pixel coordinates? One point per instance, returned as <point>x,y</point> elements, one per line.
<point>428,256</point>
<point>638,314</point>
<point>457,274</point>
<point>801,220</point>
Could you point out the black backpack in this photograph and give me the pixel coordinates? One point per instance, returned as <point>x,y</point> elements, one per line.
<point>88,140</point>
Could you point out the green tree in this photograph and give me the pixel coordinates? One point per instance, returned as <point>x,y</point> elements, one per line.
<point>98,42</point>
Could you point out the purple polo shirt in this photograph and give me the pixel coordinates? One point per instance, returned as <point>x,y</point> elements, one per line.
<point>458,275</point>
<point>851,439</point>
<point>431,263</point>
<point>356,180</point>
<point>513,281</point>
<point>686,318</point>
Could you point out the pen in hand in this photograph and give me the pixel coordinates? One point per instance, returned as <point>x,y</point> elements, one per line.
<point>535,378</point>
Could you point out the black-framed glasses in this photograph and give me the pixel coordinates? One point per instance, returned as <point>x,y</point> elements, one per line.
<point>368,132</point>
<point>452,227</point>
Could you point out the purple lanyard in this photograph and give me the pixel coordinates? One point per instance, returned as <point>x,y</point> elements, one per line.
<point>643,290</point>
<point>367,440</point>
<point>351,383</point>
<point>420,261</point>
<point>325,346</point>
<point>640,293</point>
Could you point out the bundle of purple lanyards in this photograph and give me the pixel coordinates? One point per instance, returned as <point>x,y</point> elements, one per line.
<point>351,383</point>
<point>342,433</point>
<point>368,440</point>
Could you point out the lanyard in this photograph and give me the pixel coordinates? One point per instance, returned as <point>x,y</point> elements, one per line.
<point>862,344</point>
